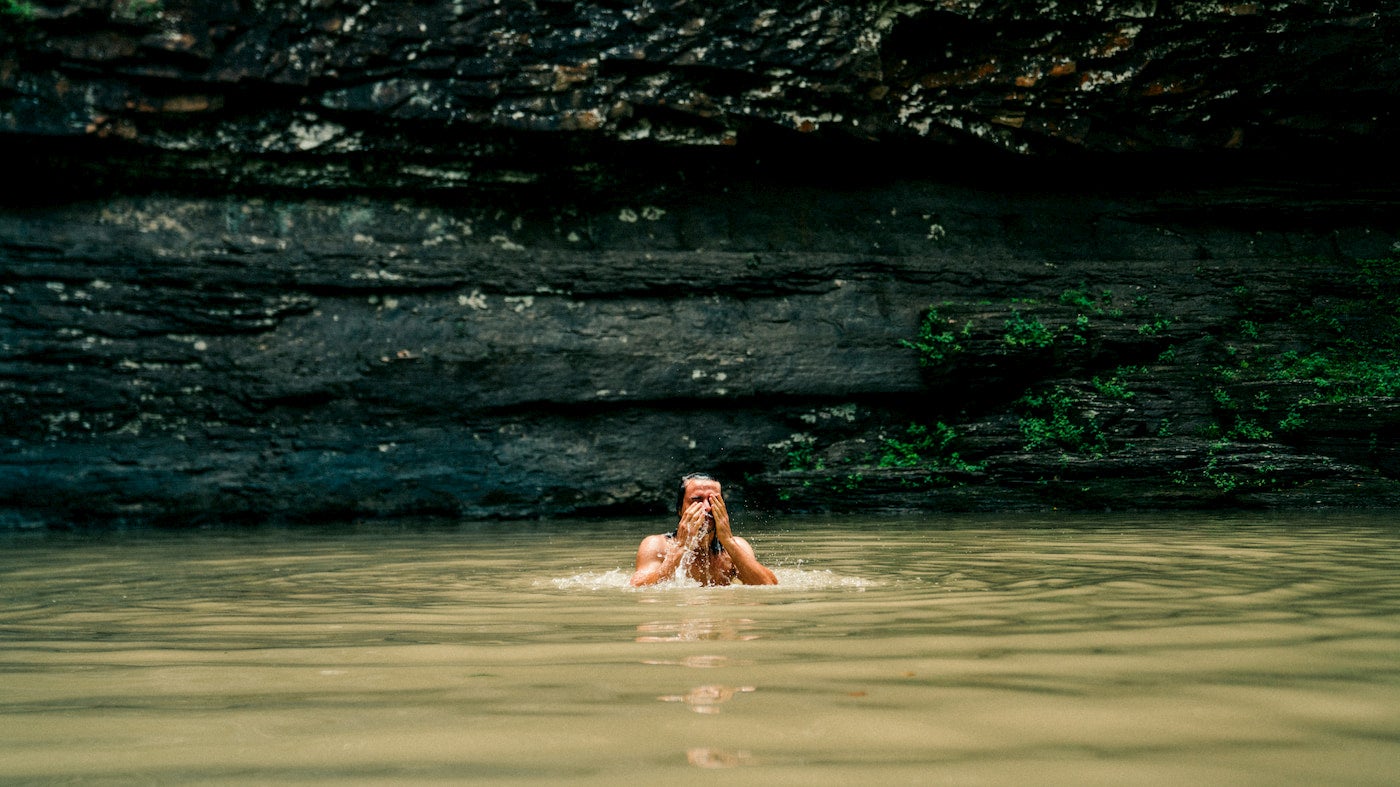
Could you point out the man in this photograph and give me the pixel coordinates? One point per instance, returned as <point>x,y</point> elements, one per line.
<point>702,545</point>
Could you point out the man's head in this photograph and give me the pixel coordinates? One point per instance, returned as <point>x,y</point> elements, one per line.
<point>696,487</point>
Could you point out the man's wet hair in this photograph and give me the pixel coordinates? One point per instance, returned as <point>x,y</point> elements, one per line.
<point>686,479</point>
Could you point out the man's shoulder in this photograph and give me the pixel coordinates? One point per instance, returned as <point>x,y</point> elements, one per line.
<point>743,544</point>
<point>657,541</point>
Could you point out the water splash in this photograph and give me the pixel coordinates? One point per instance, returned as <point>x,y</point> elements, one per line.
<point>591,580</point>
<point>808,579</point>
<point>788,579</point>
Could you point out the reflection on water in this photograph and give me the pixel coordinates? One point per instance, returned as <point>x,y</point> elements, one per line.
<point>1067,651</point>
<point>706,699</point>
<point>696,630</point>
<point>717,758</point>
<point>698,662</point>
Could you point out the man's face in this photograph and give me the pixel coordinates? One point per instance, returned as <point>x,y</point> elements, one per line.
<point>700,490</point>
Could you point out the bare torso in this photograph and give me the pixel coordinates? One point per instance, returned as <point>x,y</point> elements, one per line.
<point>710,568</point>
<point>704,566</point>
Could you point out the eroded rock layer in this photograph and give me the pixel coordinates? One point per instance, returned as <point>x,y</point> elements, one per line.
<point>516,259</point>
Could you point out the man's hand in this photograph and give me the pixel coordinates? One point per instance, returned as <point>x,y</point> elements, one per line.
<point>692,525</point>
<point>721,517</point>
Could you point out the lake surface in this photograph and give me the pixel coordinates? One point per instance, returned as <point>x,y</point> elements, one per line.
<point>969,650</point>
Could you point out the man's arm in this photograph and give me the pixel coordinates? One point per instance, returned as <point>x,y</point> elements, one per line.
<point>751,572</point>
<point>657,559</point>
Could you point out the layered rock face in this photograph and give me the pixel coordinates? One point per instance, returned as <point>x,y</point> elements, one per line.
<point>311,260</point>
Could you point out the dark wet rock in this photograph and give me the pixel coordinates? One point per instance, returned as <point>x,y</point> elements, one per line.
<point>424,80</point>
<point>519,259</point>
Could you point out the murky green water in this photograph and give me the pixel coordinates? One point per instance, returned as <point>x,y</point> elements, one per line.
<point>1251,650</point>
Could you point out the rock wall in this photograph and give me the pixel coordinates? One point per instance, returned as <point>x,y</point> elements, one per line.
<point>311,260</point>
